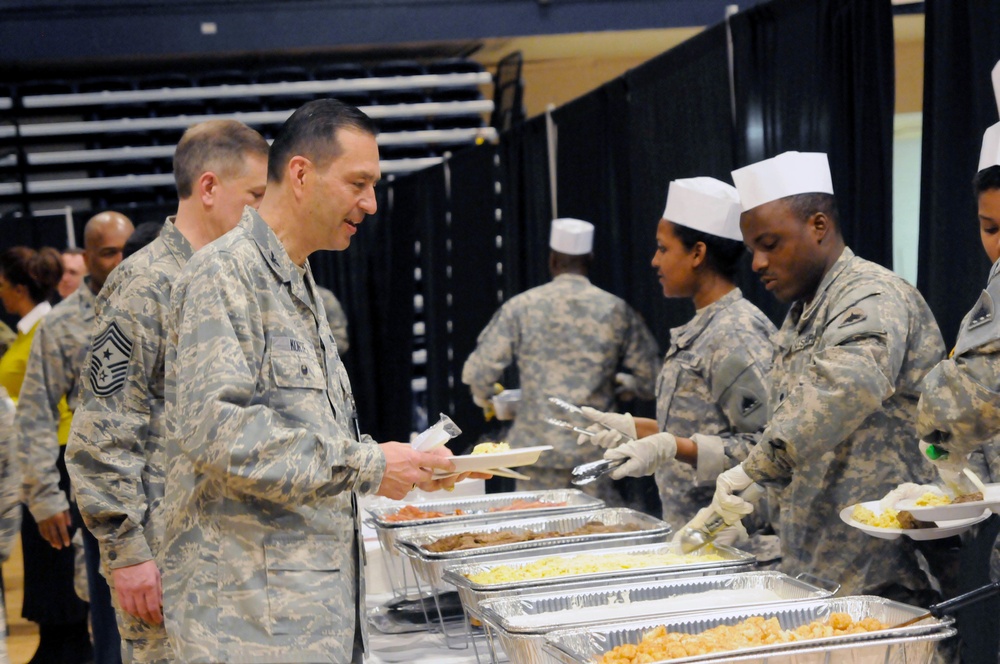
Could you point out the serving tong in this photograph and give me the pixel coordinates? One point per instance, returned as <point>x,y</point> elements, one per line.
<point>955,603</point>
<point>588,472</point>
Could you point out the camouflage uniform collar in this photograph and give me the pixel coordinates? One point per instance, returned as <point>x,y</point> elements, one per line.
<point>273,251</point>
<point>176,243</point>
<point>570,275</point>
<point>84,295</point>
<point>683,335</point>
<point>802,313</point>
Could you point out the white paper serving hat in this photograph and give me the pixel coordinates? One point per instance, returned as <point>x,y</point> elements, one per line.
<point>705,204</point>
<point>788,174</point>
<point>990,154</point>
<point>571,236</point>
<point>996,84</point>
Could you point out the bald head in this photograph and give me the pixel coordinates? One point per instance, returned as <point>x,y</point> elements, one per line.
<point>104,238</point>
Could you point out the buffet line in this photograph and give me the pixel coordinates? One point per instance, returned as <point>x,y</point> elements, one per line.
<point>555,577</point>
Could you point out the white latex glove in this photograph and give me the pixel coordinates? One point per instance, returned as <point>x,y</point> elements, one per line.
<point>622,424</point>
<point>731,507</point>
<point>486,404</point>
<point>729,536</point>
<point>626,386</point>
<point>644,455</point>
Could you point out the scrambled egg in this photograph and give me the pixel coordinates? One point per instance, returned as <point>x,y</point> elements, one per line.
<point>490,448</point>
<point>887,519</point>
<point>554,566</point>
<point>931,499</point>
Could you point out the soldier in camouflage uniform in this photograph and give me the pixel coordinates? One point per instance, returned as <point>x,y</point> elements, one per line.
<point>115,452</point>
<point>712,386</point>
<point>959,408</point>
<point>262,549</point>
<point>336,317</point>
<point>57,356</point>
<point>568,338</point>
<point>850,355</point>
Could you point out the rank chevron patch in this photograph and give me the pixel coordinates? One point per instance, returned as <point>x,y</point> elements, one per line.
<point>109,358</point>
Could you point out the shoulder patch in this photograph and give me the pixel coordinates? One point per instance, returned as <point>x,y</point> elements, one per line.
<point>852,316</point>
<point>983,312</point>
<point>109,358</point>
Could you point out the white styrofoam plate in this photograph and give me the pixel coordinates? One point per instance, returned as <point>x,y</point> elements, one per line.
<point>522,456</point>
<point>991,501</point>
<point>944,528</point>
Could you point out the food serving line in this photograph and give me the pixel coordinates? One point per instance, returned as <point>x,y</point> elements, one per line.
<point>602,590</point>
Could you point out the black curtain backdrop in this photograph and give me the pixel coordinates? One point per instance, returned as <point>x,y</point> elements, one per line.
<point>672,136</point>
<point>374,281</point>
<point>962,44</point>
<point>818,77</point>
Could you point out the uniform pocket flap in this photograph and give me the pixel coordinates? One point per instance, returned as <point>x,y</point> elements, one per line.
<point>322,553</point>
<point>296,369</point>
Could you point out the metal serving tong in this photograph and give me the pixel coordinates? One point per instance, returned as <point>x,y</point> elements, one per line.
<point>576,410</point>
<point>588,472</point>
<point>692,539</point>
<point>585,473</point>
<point>955,603</point>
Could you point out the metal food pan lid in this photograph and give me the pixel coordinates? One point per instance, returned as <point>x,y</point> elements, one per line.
<point>458,574</point>
<point>602,602</point>
<point>617,516</point>
<point>586,644</point>
<point>477,507</point>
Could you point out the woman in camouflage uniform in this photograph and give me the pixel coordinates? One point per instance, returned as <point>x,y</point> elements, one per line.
<point>712,384</point>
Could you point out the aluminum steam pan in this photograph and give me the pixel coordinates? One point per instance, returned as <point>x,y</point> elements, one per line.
<point>588,644</point>
<point>520,623</point>
<point>694,564</point>
<point>643,524</point>
<point>478,508</point>
<point>488,507</point>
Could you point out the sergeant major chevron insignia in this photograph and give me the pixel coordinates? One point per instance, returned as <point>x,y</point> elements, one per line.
<point>109,358</point>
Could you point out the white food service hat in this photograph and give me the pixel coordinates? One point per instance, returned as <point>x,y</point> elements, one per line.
<point>705,204</point>
<point>571,236</point>
<point>788,174</point>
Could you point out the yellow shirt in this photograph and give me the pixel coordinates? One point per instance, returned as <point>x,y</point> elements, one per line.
<point>14,363</point>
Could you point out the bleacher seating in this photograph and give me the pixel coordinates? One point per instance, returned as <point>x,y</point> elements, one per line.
<point>111,139</point>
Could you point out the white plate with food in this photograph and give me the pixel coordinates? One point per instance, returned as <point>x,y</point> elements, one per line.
<point>511,458</point>
<point>942,529</point>
<point>963,510</point>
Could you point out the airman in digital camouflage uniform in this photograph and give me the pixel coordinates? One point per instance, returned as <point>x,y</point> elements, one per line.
<point>850,355</point>
<point>262,550</point>
<point>57,357</point>
<point>336,317</point>
<point>115,452</point>
<point>712,387</point>
<point>959,408</point>
<point>569,339</point>
<point>10,500</point>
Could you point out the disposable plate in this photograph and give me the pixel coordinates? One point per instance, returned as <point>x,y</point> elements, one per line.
<point>522,456</point>
<point>968,510</point>
<point>943,529</point>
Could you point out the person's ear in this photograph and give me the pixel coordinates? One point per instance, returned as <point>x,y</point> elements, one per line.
<point>208,186</point>
<point>299,172</point>
<point>698,252</point>
<point>820,226</point>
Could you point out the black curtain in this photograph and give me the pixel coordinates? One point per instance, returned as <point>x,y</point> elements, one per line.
<point>593,179</point>
<point>679,126</point>
<point>962,44</point>
<point>374,281</point>
<point>461,279</point>
<point>818,77</point>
